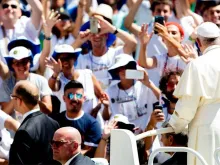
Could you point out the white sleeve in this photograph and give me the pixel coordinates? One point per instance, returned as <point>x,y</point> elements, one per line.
<point>185,110</point>
<point>45,89</point>
<point>3,117</point>
<point>119,50</point>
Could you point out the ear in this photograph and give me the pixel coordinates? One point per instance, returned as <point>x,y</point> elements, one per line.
<point>64,98</point>
<point>199,42</point>
<point>171,140</point>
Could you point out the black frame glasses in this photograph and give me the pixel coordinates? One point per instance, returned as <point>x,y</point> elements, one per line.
<point>22,62</point>
<point>14,96</point>
<point>5,6</point>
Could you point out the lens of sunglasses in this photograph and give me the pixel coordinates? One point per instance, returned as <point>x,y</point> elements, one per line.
<point>71,96</point>
<point>5,6</point>
<point>57,143</point>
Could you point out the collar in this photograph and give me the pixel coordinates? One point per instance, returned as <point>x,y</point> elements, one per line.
<point>30,112</point>
<point>68,162</point>
<point>211,48</point>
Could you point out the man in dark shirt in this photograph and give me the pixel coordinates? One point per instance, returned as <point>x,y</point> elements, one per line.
<point>75,117</point>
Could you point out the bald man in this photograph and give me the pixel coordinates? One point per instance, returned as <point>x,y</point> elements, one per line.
<point>32,140</point>
<point>66,145</point>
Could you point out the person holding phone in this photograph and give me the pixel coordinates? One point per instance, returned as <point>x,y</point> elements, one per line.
<point>132,97</point>
<point>177,56</point>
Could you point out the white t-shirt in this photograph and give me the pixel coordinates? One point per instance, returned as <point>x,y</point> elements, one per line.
<point>5,138</point>
<point>85,77</point>
<point>136,103</point>
<point>166,64</point>
<point>100,65</point>
<point>23,27</point>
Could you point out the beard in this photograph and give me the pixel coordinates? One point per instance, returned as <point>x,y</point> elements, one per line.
<point>171,97</point>
<point>76,106</point>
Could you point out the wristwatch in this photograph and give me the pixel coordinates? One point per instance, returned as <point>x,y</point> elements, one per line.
<point>116,31</point>
<point>47,38</point>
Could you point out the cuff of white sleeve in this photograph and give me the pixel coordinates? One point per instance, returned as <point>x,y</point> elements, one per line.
<point>179,125</point>
<point>90,144</point>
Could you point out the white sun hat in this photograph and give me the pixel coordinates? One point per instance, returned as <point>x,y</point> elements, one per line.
<point>208,30</point>
<point>19,53</point>
<point>104,10</point>
<point>121,60</point>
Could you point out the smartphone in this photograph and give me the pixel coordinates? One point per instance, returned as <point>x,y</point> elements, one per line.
<point>134,74</point>
<point>160,20</point>
<point>94,25</point>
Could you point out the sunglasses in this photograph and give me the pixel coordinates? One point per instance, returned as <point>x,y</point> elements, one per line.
<point>22,62</point>
<point>58,144</point>
<point>71,96</point>
<point>5,6</point>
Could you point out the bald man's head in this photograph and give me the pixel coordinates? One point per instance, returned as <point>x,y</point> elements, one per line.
<point>70,134</point>
<point>28,92</point>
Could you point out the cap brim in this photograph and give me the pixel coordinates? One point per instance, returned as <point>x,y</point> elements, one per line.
<point>35,49</point>
<point>110,40</point>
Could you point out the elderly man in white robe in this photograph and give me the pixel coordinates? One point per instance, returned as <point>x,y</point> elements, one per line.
<point>199,97</point>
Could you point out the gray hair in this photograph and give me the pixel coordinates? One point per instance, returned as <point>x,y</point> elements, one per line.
<point>209,41</point>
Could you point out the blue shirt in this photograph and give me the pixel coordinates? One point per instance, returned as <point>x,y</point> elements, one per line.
<point>88,127</point>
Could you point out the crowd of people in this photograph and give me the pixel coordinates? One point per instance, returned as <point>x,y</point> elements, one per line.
<point>73,70</point>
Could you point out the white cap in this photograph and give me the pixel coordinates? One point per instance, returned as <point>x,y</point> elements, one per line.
<point>208,30</point>
<point>19,52</point>
<point>104,10</point>
<point>64,48</point>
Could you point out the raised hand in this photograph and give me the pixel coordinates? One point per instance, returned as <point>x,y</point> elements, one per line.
<point>144,36</point>
<point>50,21</point>
<point>162,30</point>
<point>106,27</point>
<point>56,66</point>
<point>146,80</point>
<point>156,116</point>
<point>188,53</point>
<point>108,127</point>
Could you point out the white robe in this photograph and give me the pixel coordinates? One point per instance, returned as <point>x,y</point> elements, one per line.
<point>199,105</point>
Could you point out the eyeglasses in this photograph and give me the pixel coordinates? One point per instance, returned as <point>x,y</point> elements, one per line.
<point>71,96</point>
<point>5,6</point>
<point>22,62</point>
<point>14,96</point>
<point>58,144</point>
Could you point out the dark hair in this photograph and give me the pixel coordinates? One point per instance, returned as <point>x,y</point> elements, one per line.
<point>29,99</point>
<point>164,80</point>
<point>159,2</point>
<point>210,4</point>
<point>180,139</point>
<point>73,84</point>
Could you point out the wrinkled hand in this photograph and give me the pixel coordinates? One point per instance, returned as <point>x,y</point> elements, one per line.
<point>188,53</point>
<point>56,66</point>
<point>108,127</point>
<point>156,116</point>
<point>50,21</point>
<point>106,27</point>
<point>162,30</point>
<point>144,37</point>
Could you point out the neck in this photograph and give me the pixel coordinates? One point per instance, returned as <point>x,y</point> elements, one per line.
<point>70,74</point>
<point>74,115</point>
<point>9,24</point>
<point>99,51</point>
<point>21,77</point>
<point>28,110</point>
<point>126,84</point>
<point>115,8</point>
<point>172,52</point>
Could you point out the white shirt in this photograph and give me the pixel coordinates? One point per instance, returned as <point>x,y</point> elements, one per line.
<point>166,64</point>
<point>68,162</point>
<point>28,113</point>
<point>5,138</point>
<point>100,65</point>
<point>136,103</point>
